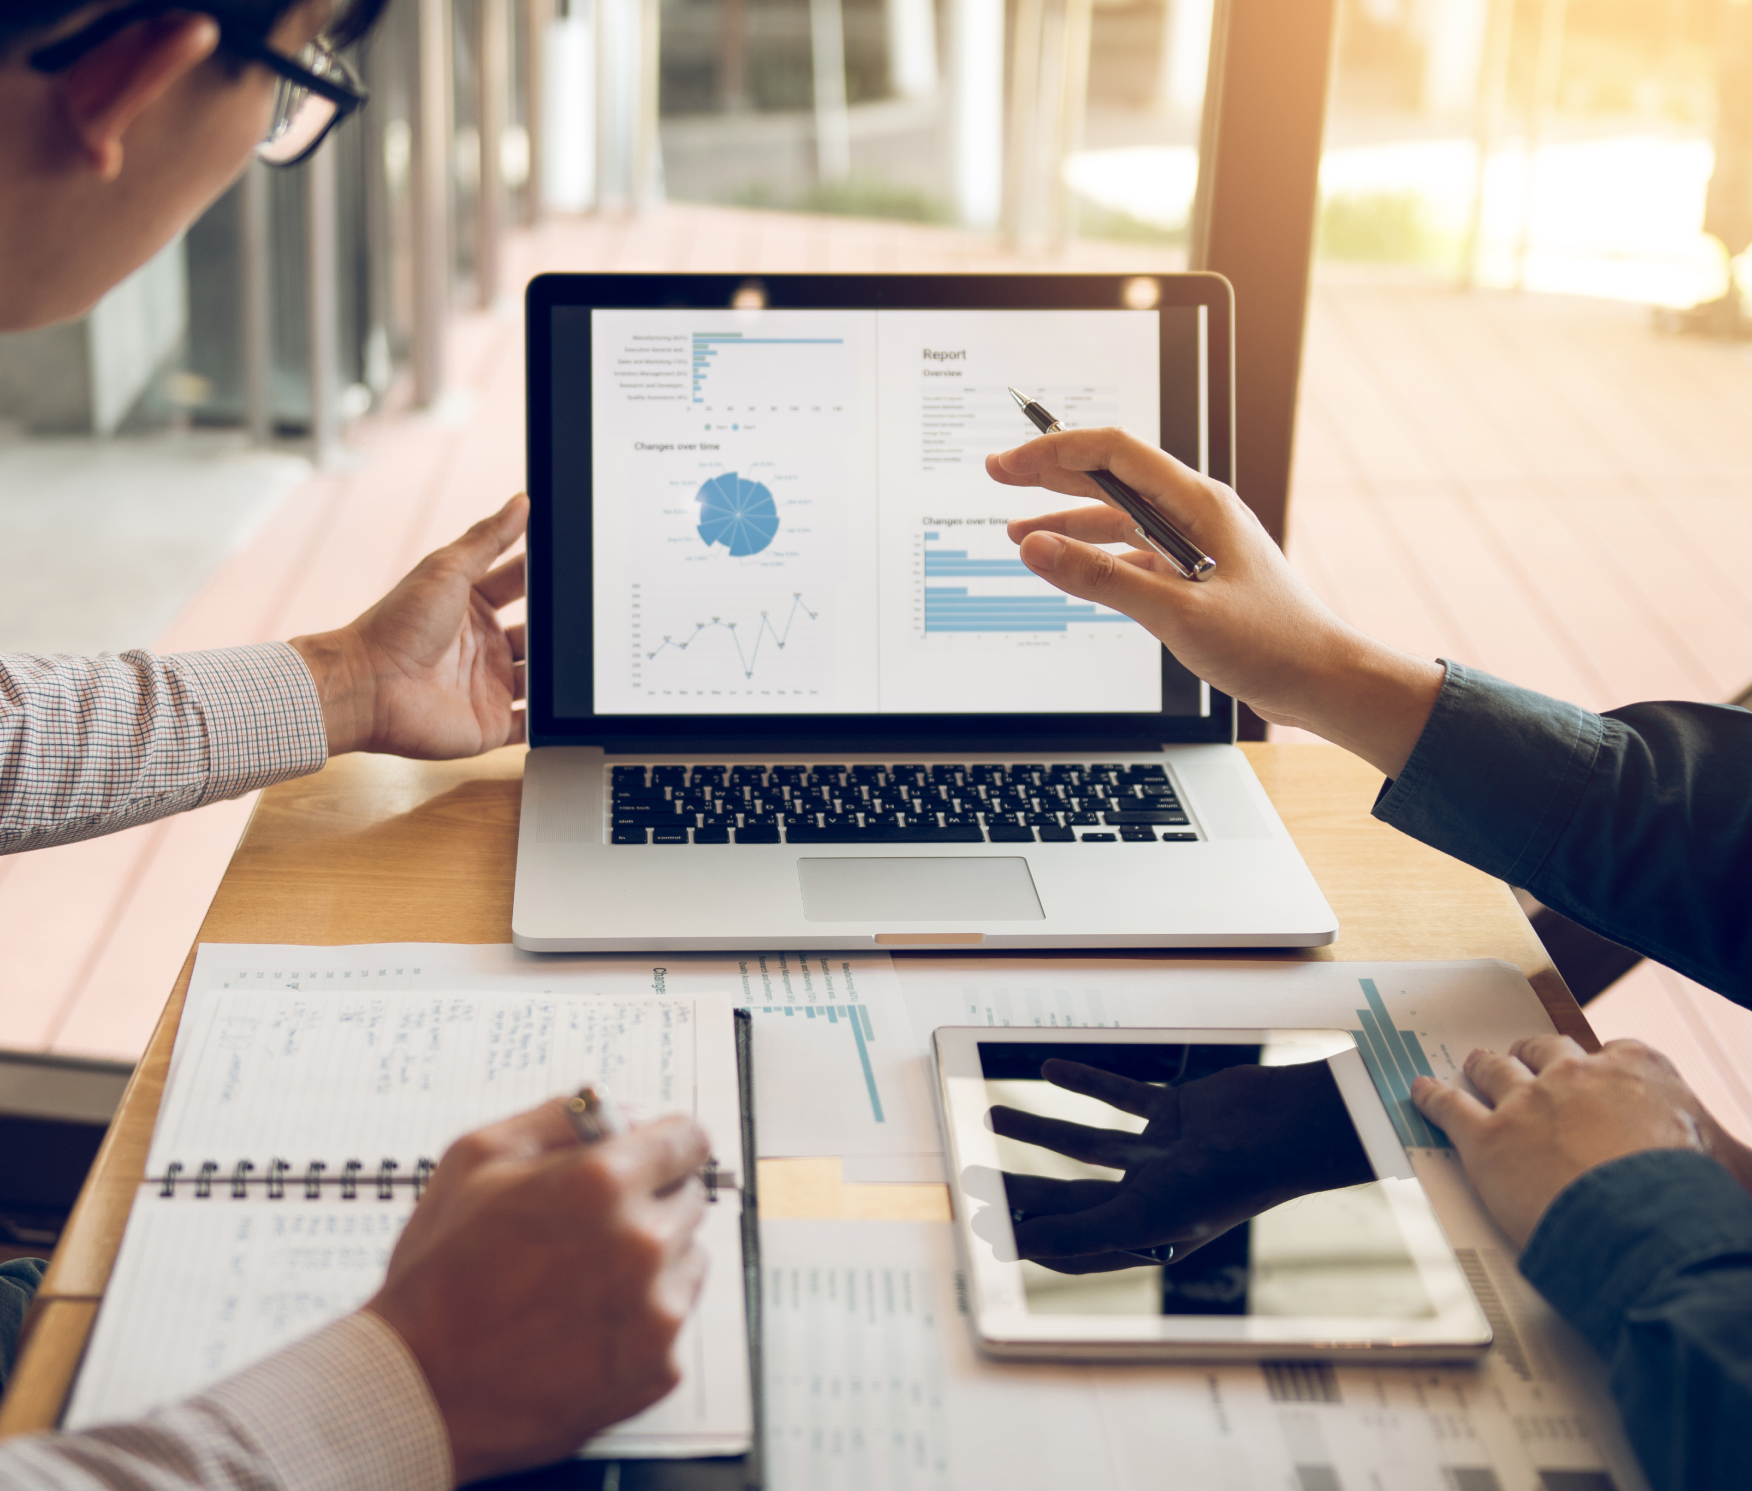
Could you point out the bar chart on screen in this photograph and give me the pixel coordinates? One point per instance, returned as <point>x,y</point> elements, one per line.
<point>964,592</point>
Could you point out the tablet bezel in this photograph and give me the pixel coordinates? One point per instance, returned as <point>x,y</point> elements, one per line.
<point>1004,1327</point>
<point>1132,730</point>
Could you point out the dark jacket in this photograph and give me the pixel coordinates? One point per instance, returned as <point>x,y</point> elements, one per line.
<point>1638,824</point>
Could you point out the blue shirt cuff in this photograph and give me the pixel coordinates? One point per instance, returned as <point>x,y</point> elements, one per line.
<point>1496,775</point>
<point>1625,1227</point>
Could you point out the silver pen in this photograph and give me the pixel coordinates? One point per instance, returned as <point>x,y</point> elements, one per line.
<point>594,1116</point>
<point>1188,559</point>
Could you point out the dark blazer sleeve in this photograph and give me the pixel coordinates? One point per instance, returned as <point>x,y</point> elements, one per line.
<point>1636,823</point>
<point>1650,1258</point>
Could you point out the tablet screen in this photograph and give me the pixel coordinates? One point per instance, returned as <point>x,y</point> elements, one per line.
<point>1222,1179</point>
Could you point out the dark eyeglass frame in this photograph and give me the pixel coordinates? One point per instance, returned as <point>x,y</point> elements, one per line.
<point>344,90</point>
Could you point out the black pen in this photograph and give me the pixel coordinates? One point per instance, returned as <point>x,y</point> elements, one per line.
<point>594,1117</point>
<point>1155,530</point>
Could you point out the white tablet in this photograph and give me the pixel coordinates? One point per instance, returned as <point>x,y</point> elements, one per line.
<point>1132,1194</point>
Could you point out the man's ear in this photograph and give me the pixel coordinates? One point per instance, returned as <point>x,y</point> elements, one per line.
<point>106,90</point>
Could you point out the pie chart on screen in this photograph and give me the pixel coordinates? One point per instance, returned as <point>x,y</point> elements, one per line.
<point>738,513</point>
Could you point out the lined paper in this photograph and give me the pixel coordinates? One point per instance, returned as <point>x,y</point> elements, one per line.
<point>398,1075</point>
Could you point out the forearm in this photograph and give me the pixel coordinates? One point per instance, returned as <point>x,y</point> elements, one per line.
<point>1650,1257</point>
<point>1637,823</point>
<point>344,1410</point>
<point>92,745</point>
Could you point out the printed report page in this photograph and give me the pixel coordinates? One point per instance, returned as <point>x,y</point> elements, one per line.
<point>965,626</point>
<point>734,514</point>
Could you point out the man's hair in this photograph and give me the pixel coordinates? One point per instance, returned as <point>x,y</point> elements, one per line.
<point>21,19</point>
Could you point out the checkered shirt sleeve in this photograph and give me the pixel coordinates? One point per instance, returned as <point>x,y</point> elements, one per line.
<point>346,1409</point>
<point>89,745</point>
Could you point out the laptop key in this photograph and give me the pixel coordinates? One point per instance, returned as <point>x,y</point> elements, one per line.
<point>1179,838</point>
<point>676,835</point>
<point>758,833</point>
<point>1010,833</point>
<point>1052,833</point>
<point>706,834</point>
<point>1100,838</point>
<point>1144,815</point>
<point>630,836</point>
<point>1137,833</point>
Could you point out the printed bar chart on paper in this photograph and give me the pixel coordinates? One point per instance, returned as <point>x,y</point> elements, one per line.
<point>1395,1059</point>
<point>856,1019</point>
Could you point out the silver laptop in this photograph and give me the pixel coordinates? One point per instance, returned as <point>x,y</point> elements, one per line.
<point>789,684</point>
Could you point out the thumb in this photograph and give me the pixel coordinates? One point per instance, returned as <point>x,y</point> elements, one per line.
<point>492,536</point>
<point>1092,574</point>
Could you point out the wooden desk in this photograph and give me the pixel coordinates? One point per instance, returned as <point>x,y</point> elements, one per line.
<point>376,849</point>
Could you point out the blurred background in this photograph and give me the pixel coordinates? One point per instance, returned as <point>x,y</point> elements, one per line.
<point>1493,367</point>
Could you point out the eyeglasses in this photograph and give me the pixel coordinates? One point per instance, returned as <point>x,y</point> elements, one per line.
<point>318,89</point>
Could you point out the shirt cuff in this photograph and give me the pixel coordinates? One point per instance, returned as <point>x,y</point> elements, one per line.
<point>1616,1232</point>
<point>1496,775</point>
<point>345,1408</point>
<point>262,714</point>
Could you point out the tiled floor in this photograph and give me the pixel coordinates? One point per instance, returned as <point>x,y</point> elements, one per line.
<point>1545,488</point>
<point>1538,486</point>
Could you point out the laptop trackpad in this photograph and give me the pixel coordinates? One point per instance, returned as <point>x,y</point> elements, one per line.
<point>948,889</point>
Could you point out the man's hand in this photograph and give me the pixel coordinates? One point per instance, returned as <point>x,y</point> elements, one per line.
<point>541,1283</point>
<point>1216,1151</point>
<point>429,671</point>
<point>1253,629</point>
<point>1552,1112</point>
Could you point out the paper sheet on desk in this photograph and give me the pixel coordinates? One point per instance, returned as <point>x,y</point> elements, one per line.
<point>872,1380</point>
<point>288,1268</point>
<point>835,1053</point>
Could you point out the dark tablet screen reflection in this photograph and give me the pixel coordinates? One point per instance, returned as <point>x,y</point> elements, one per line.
<point>1250,1169</point>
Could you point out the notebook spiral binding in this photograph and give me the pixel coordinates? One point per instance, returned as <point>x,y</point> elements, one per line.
<point>246,1180</point>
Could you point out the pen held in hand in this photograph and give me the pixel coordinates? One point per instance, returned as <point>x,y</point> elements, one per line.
<point>1190,561</point>
<point>595,1116</point>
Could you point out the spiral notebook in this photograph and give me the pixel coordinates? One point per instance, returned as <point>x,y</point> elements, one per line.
<point>296,1133</point>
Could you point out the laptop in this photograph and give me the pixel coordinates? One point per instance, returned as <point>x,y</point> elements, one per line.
<point>789,685</point>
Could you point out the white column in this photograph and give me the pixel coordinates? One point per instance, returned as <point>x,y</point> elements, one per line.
<point>321,305</point>
<point>257,328</point>
<point>1185,56</point>
<point>977,102</point>
<point>1454,43</point>
<point>833,132</point>
<point>431,199</point>
<point>568,101</point>
<point>912,48</point>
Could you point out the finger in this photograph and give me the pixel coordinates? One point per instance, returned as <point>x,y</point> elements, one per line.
<point>1095,1263</point>
<point>491,537</point>
<point>1137,1098</point>
<point>1039,1195</point>
<point>1076,1141</point>
<point>1496,1076</point>
<point>519,680</point>
<point>1093,574</point>
<point>679,1286</point>
<point>1538,1051</point>
<point>1095,523</point>
<point>657,1155</point>
<point>1119,1225</point>
<point>504,584</point>
<point>1456,1112</point>
<point>518,637</point>
<point>517,733</point>
<point>1169,485</point>
<point>519,1137</point>
<point>1053,478</point>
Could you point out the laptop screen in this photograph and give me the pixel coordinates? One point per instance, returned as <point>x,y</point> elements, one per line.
<point>785,512</point>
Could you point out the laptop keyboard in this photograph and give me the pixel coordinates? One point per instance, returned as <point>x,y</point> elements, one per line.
<point>1015,803</point>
